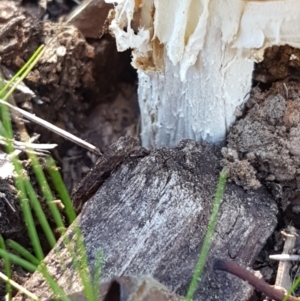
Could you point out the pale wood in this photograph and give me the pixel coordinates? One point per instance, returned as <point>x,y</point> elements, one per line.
<point>196,58</point>
<point>283,278</point>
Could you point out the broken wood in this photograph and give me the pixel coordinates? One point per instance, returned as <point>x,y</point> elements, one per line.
<point>150,217</point>
<point>107,162</point>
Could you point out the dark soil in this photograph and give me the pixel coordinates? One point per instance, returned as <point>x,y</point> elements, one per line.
<point>263,146</point>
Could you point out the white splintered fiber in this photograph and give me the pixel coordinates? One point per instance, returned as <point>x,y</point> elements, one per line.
<point>183,26</point>
<point>196,58</point>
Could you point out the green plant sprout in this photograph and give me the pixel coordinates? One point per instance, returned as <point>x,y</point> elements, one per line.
<point>6,132</point>
<point>56,289</point>
<point>292,289</point>
<point>208,236</point>
<point>22,251</point>
<point>44,186</point>
<point>26,265</point>
<point>4,94</point>
<point>80,262</point>
<point>21,74</point>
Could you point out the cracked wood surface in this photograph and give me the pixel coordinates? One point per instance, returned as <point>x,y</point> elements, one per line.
<point>111,159</point>
<point>150,217</point>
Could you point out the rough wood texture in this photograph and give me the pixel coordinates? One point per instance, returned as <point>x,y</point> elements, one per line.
<point>150,217</point>
<point>198,108</point>
<point>113,157</point>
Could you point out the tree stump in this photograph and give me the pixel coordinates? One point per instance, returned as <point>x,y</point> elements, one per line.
<point>150,217</point>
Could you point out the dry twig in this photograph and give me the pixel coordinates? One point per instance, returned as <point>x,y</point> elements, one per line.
<point>283,279</point>
<point>53,128</point>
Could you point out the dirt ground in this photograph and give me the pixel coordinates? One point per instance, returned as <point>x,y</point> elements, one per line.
<point>263,145</point>
<point>83,85</point>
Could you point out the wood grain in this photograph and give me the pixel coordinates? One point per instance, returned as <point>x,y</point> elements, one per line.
<point>150,217</point>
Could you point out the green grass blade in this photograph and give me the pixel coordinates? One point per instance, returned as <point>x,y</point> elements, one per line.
<point>27,215</point>
<point>5,118</point>
<point>292,289</point>
<point>28,266</point>
<point>6,268</point>
<point>61,188</point>
<point>40,214</point>
<point>26,65</point>
<point>29,67</point>
<point>79,259</point>
<point>208,237</point>
<point>82,267</point>
<point>22,252</point>
<point>39,173</point>
<point>56,289</point>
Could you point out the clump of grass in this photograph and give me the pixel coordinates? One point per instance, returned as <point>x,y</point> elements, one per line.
<point>26,193</point>
<point>29,201</point>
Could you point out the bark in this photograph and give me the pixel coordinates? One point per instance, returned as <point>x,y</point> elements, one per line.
<point>150,217</point>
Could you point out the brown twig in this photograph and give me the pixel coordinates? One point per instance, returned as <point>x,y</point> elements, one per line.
<point>259,284</point>
<point>53,128</point>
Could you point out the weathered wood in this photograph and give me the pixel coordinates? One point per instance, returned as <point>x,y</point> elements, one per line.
<point>150,217</point>
<point>113,157</point>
